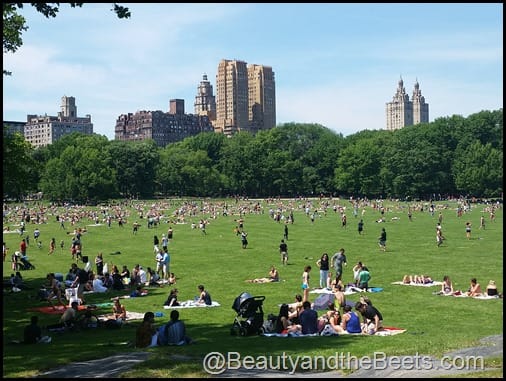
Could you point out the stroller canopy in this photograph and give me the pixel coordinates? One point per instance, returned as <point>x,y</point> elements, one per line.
<point>246,301</point>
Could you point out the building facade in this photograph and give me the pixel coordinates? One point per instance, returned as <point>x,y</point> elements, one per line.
<point>163,127</point>
<point>261,98</point>
<point>205,102</point>
<point>403,112</point>
<point>41,130</point>
<point>245,97</point>
<point>12,127</point>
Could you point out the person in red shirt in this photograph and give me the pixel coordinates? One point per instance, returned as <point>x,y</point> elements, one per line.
<point>22,247</point>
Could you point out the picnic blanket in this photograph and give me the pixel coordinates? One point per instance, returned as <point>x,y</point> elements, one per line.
<point>291,334</point>
<point>348,291</point>
<point>389,331</point>
<point>435,283</point>
<point>192,304</point>
<point>386,331</point>
<point>57,310</point>
<point>129,316</point>
<point>464,295</point>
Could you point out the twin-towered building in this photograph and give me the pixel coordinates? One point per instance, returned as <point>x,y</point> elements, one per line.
<point>402,112</point>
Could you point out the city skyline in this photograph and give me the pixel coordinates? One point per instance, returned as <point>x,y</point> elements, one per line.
<point>336,64</point>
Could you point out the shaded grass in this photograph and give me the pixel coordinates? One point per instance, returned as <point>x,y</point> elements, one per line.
<point>434,324</point>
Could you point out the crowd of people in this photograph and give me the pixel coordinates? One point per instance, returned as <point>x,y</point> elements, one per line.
<point>299,317</point>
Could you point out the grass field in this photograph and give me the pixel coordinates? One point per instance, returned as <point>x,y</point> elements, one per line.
<point>434,324</point>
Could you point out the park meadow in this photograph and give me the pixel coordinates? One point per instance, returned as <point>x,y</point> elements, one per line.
<point>434,324</point>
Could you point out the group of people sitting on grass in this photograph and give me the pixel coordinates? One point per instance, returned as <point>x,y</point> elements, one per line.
<point>204,298</point>
<point>299,318</point>
<point>474,289</point>
<point>171,333</point>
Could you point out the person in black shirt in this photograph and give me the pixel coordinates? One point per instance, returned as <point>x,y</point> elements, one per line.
<point>372,318</point>
<point>283,250</point>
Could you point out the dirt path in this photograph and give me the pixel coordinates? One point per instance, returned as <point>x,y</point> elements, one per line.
<point>114,366</point>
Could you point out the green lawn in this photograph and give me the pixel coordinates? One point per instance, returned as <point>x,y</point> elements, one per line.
<point>434,324</point>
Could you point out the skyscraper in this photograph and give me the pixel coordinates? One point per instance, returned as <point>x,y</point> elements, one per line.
<point>205,103</point>
<point>420,108</point>
<point>261,98</point>
<point>245,97</point>
<point>231,97</point>
<point>402,112</point>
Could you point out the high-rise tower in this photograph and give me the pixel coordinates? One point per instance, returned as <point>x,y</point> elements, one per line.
<point>420,108</point>
<point>231,97</point>
<point>402,112</point>
<point>261,98</point>
<point>205,103</point>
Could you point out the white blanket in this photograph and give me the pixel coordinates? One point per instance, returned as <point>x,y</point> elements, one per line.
<point>435,283</point>
<point>348,291</point>
<point>192,304</point>
<point>129,316</point>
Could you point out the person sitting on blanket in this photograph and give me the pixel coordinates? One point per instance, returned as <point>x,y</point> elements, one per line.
<point>340,298</point>
<point>204,297</point>
<point>172,298</point>
<point>474,288</point>
<point>294,309</point>
<point>447,286</point>
<point>332,318</point>
<point>119,313</point>
<point>491,289</point>
<point>372,318</point>
<point>363,278</point>
<point>273,277</point>
<point>350,321</point>
<point>67,320</point>
<point>147,334</point>
<point>174,332</point>
<point>308,319</point>
<point>283,323</point>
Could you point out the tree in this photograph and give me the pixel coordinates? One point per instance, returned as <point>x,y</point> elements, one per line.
<point>18,166</point>
<point>14,24</point>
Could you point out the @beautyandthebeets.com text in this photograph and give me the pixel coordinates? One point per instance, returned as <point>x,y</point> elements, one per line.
<point>217,362</point>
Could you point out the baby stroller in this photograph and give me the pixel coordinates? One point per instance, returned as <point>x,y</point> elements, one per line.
<point>249,308</point>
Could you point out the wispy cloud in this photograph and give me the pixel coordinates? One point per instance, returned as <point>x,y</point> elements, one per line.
<point>335,64</point>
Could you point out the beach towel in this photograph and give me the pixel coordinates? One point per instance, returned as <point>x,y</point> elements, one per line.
<point>349,290</point>
<point>192,304</point>
<point>292,334</point>
<point>129,316</point>
<point>435,283</point>
<point>389,331</point>
<point>464,295</point>
<point>57,310</point>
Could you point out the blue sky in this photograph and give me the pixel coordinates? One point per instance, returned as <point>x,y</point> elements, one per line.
<point>335,64</point>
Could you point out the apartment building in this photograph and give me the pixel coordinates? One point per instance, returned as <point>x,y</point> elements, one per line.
<point>403,112</point>
<point>245,97</point>
<point>41,130</point>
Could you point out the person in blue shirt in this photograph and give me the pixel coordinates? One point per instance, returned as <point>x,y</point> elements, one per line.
<point>308,319</point>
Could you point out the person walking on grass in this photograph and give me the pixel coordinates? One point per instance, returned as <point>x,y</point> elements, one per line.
<point>283,251</point>
<point>383,240</point>
<point>244,239</point>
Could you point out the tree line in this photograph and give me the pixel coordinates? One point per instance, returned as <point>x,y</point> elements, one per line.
<point>450,156</point>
